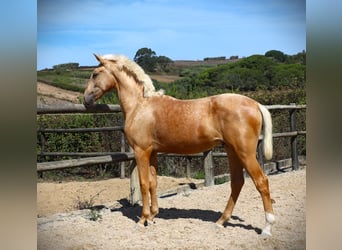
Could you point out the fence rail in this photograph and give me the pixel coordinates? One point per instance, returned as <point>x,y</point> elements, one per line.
<point>77,108</point>
<point>113,157</point>
<point>114,108</point>
<point>110,157</point>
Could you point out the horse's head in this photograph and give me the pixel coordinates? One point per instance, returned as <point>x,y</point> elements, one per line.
<point>120,73</point>
<point>100,81</point>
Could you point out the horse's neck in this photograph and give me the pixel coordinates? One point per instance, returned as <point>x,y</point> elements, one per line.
<point>128,105</point>
<point>130,95</point>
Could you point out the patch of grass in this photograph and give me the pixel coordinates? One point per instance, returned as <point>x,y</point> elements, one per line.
<point>199,175</point>
<point>221,180</point>
<point>94,215</point>
<point>69,80</point>
<point>87,203</point>
<point>163,171</point>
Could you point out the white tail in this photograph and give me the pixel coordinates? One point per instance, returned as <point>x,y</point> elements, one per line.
<point>268,145</point>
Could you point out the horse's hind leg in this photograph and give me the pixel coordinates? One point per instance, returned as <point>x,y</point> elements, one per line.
<point>261,182</point>
<point>153,186</point>
<point>236,182</point>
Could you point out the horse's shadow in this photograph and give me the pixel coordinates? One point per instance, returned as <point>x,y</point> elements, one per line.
<point>132,212</point>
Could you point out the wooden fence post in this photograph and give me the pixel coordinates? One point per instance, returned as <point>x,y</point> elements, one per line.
<point>42,141</point>
<point>135,193</point>
<point>188,166</point>
<point>123,149</point>
<point>209,169</point>
<point>294,154</point>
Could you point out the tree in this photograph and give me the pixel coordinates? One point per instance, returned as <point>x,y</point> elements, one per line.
<point>164,62</point>
<point>146,58</point>
<point>277,55</point>
<point>298,58</point>
<point>149,61</point>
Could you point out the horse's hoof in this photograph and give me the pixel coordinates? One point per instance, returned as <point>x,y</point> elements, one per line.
<point>266,234</point>
<point>139,226</point>
<point>150,222</point>
<point>218,226</point>
<point>140,223</point>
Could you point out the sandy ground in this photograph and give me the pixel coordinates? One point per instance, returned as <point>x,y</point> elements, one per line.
<point>64,197</point>
<point>186,220</point>
<point>47,94</point>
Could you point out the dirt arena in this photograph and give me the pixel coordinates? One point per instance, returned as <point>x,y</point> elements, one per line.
<point>186,220</point>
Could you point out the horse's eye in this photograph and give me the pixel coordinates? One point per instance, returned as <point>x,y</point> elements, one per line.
<point>95,75</point>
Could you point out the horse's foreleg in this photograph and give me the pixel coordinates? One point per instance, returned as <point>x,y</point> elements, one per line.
<point>261,182</point>
<point>153,186</point>
<point>236,182</point>
<point>143,161</point>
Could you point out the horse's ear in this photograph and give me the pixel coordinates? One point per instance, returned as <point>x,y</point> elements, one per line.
<point>99,58</point>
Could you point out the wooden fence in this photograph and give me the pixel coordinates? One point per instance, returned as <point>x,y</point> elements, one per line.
<point>111,157</point>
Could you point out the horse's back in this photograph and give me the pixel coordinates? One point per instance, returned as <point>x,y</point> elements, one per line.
<point>180,115</point>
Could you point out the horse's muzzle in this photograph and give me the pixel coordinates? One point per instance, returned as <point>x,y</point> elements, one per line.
<point>88,100</point>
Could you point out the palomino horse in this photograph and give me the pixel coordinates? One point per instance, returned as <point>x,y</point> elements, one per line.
<point>155,122</point>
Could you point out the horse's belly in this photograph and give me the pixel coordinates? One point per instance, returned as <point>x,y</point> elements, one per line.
<point>186,146</point>
<point>187,134</point>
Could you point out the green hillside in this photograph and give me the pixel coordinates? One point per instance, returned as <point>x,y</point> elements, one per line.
<point>273,78</point>
<point>266,79</point>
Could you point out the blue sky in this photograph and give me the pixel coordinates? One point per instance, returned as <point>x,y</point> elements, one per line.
<point>70,31</point>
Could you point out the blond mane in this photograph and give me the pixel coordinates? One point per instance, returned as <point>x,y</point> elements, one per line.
<point>137,72</point>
